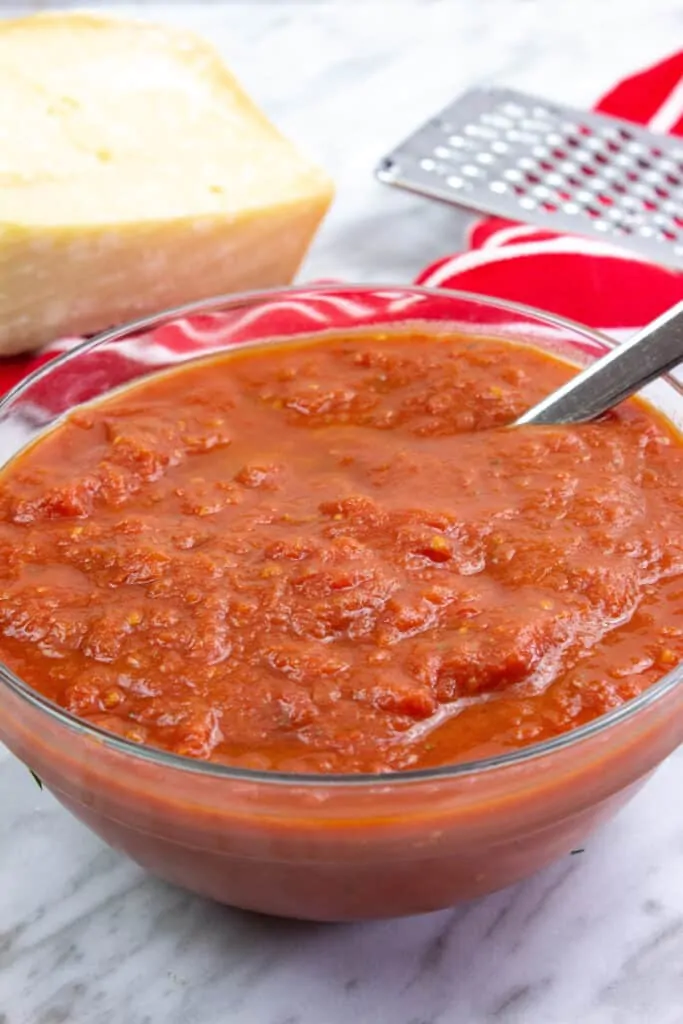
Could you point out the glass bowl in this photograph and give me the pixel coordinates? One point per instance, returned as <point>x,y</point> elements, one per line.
<point>327,847</point>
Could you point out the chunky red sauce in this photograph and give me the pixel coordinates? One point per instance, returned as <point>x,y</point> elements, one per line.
<point>333,558</point>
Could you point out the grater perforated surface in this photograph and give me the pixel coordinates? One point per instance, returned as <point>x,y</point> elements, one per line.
<point>503,152</point>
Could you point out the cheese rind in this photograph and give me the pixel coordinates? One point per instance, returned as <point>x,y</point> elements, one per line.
<point>135,174</point>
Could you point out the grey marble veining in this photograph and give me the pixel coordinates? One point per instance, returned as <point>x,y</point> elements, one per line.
<point>88,938</point>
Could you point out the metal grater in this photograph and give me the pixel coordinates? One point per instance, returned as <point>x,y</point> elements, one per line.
<point>521,157</point>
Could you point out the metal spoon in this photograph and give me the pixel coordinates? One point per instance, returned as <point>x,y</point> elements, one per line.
<point>623,371</point>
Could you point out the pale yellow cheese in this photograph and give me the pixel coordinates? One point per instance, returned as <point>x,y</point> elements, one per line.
<point>135,175</point>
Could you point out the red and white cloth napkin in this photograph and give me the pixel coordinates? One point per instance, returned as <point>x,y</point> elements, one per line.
<point>588,280</point>
<point>591,281</point>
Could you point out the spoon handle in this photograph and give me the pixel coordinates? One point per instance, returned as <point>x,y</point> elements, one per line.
<point>624,370</point>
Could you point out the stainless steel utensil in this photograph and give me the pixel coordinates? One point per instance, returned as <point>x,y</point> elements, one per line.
<point>623,371</point>
<point>503,152</point>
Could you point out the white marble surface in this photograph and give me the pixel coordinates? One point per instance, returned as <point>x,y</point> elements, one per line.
<point>87,937</point>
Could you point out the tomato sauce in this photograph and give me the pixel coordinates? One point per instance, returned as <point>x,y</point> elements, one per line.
<point>336,557</point>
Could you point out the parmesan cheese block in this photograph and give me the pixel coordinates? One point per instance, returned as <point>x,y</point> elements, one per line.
<point>135,175</point>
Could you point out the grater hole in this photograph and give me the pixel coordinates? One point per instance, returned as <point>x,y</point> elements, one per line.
<point>678,221</point>
<point>533,179</point>
<point>587,170</point>
<point>534,125</point>
<point>496,120</point>
<point>549,207</point>
<point>583,129</point>
<point>661,192</point>
<point>605,199</point>
<point>643,163</point>
<point>527,138</point>
<point>513,110</point>
<point>613,146</point>
<point>480,131</point>
<point>667,165</point>
<point>600,158</point>
<point>668,234</point>
<point>673,180</point>
<point>592,212</point>
<point>626,134</point>
<point>560,154</point>
<point>649,205</point>
<point>618,187</point>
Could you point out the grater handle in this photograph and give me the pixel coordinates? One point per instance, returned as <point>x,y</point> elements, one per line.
<point>623,371</point>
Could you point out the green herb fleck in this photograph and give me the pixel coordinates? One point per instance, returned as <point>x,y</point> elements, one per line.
<point>36,778</point>
<point>574,852</point>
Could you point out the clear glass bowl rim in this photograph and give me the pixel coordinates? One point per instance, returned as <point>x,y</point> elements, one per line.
<point>162,758</point>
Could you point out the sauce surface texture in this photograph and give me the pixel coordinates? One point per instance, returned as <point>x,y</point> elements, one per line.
<point>334,558</point>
